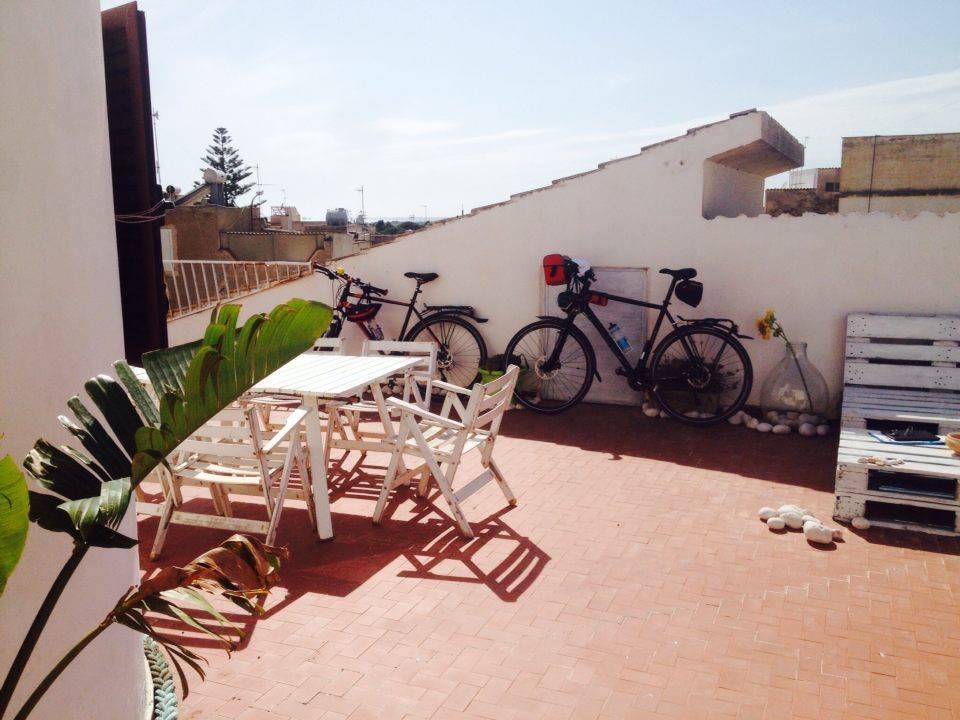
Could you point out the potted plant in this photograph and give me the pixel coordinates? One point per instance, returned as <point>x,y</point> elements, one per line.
<point>87,492</point>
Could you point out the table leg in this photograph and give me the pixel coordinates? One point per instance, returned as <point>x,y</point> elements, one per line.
<point>377,392</point>
<point>318,469</point>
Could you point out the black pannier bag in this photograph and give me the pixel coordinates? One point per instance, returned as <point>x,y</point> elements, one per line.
<point>690,292</point>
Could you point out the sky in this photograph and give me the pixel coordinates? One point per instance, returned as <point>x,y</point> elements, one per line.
<point>438,106</point>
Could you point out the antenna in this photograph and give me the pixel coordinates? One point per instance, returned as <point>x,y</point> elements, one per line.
<point>363,209</point>
<point>156,146</point>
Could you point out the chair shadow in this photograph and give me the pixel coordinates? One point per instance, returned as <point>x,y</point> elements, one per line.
<point>359,550</point>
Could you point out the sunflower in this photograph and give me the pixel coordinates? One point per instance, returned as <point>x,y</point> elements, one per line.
<point>767,325</point>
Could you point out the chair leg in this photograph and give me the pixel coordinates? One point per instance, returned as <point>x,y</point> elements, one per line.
<point>448,495</point>
<point>391,475</point>
<point>502,482</point>
<point>305,479</point>
<point>424,481</point>
<point>166,514</point>
<point>281,494</point>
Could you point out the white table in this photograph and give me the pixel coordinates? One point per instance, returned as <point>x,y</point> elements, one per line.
<point>319,378</point>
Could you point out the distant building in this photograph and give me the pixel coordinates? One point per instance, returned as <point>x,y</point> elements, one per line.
<point>901,174</point>
<point>815,190</point>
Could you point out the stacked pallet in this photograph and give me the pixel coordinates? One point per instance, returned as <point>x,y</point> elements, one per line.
<point>900,371</point>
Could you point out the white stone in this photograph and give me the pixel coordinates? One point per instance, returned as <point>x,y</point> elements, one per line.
<point>751,422</point>
<point>775,523</point>
<point>823,430</point>
<point>781,429</point>
<point>807,418</point>
<point>735,419</point>
<point>792,519</point>
<point>764,427</point>
<point>807,430</point>
<point>773,416</point>
<point>766,513</point>
<point>651,412</point>
<point>807,517</point>
<point>817,533</point>
<point>691,414</point>
<point>860,523</point>
<point>792,508</point>
<point>837,533</point>
<point>793,415</point>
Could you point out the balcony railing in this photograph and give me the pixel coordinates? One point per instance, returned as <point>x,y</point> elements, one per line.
<point>195,285</point>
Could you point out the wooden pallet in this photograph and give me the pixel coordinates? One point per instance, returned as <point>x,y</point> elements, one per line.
<point>900,370</point>
<point>898,514</point>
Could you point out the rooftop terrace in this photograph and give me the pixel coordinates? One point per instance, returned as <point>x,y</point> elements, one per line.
<point>632,581</point>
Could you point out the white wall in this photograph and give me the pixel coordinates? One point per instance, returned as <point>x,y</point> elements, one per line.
<point>647,211</point>
<point>61,324</point>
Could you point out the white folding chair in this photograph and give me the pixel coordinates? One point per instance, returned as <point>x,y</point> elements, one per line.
<point>417,388</point>
<point>441,440</point>
<point>235,453</point>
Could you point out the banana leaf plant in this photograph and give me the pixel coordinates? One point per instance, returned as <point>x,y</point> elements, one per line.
<point>89,490</point>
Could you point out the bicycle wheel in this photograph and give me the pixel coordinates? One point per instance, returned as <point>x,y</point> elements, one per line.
<point>559,388</point>
<point>701,375</point>
<point>461,349</point>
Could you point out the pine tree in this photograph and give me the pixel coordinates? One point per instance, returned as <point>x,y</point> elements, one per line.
<point>222,156</point>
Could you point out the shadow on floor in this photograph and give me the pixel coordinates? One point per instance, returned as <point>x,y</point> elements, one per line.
<point>498,557</point>
<point>624,431</point>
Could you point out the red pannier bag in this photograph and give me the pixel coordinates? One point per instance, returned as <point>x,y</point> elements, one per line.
<point>555,269</point>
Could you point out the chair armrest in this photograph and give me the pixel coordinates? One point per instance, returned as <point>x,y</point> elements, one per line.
<point>450,387</point>
<point>406,407</point>
<point>293,422</point>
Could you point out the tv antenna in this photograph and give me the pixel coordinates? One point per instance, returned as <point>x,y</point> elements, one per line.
<point>363,209</point>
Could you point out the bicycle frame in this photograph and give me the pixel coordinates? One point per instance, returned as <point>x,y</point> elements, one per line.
<point>635,374</point>
<point>343,302</point>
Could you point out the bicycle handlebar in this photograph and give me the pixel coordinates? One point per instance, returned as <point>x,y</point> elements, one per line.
<point>341,275</point>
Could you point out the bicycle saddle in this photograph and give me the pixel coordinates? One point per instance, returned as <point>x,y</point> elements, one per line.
<point>421,277</point>
<point>681,274</point>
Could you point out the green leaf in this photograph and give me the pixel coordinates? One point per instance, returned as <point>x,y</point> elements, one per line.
<point>14,517</point>
<point>148,409</point>
<point>192,382</point>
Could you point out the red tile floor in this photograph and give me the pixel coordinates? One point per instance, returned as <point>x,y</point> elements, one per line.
<point>633,580</point>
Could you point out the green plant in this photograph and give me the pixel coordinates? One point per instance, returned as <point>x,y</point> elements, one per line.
<point>13,517</point>
<point>90,489</point>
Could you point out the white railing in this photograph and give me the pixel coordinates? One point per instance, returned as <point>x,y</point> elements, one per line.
<point>195,285</point>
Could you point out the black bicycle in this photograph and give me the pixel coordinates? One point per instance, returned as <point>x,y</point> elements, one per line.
<point>700,372</point>
<point>461,349</point>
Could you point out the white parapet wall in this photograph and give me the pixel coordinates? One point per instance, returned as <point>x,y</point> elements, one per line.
<point>648,211</point>
<point>60,295</point>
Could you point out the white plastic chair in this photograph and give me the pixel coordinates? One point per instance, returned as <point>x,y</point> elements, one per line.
<point>441,440</point>
<point>235,453</point>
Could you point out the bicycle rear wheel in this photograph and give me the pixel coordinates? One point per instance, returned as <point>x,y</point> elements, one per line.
<point>701,375</point>
<point>461,350</point>
<point>559,388</point>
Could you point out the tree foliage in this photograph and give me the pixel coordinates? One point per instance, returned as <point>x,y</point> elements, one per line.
<point>222,156</point>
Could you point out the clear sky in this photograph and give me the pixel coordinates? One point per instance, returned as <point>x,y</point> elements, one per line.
<point>443,104</point>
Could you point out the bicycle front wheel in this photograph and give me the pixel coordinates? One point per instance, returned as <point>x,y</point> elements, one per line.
<point>701,375</point>
<point>551,389</point>
<point>461,350</point>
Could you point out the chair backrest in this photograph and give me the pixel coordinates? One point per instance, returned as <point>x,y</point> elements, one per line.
<point>334,346</point>
<point>486,406</point>
<point>233,434</point>
<point>418,386</point>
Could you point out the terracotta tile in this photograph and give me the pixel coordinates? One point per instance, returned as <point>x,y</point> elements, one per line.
<point>631,581</point>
